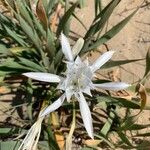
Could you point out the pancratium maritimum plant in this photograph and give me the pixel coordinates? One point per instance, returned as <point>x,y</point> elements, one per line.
<point>77,81</point>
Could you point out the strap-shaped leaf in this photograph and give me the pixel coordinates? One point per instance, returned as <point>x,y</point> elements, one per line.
<point>65,18</point>
<point>129,122</point>
<point>114,63</point>
<point>98,7</point>
<point>15,36</point>
<point>11,66</point>
<point>79,20</point>
<point>50,45</point>
<point>103,16</point>
<point>119,101</point>
<point>112,32</point>
<point>138,127</point>
<point>23,11</point>
<point>105,139</point>
<point>105,129</point>
<point>31,33</point>
<point>31,64</point>
<point>38,26</point>
<point>9,145</point>
<point>124,138</point>
<point>50,6</point>
<point>6,20</point>
<point>4,50</point>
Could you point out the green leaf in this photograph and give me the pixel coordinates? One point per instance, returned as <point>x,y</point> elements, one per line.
<point>10,66</point>
<point>51,139</point>
<point>102,137</point>
<point>129,122</point>
<point>52,67</point>
<point>50,47</point>
<point>50,6</point>
<point>105,129</point>
<point>22,8</point>
<point>31,33</point>
<point>124,138</point>
<point>5,130</point>
<point>65,18</point>
<point>4,50</point>
<point>138,127</point>
<point>104,16</point>
<point>20,50</point>
<point>43,145</point>
<point>119,101</point>
<point>9,145</point>
<point>31,64</point>
<point>58,58</point>
<point>117,63</point>
<point>29,97</point>
<point>98,7</point>
<point>142,134</point>
<point>15,36</point>
<point>82,3</point>
<point>112,32</point>
<point>6,20</point>
<point>38,26</point>
<point>28,3</point>
<point>80,21</point>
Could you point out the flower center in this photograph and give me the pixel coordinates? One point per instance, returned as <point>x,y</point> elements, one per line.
<point>78,77</point>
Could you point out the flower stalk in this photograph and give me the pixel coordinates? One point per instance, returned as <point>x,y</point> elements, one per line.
<point>73,125</point>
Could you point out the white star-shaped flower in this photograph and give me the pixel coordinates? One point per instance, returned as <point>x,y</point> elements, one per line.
<point>77,80</point>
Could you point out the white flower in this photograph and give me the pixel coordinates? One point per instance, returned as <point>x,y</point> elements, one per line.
<point>32,137</point>
<point>77,80</point>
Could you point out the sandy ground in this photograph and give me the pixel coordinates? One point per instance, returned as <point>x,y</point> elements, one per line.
<point>131,43</point>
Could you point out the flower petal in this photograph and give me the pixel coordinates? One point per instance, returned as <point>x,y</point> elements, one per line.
<point>78,61</point>
<point>115,86</point>
<point>68,93</point>
<point>66,49</point>
<point>87,91</point>
<point>53,106</point>
<point>77,47</point>
<point>101,60</point>
<point>46,77</point>
<point>86,115</point>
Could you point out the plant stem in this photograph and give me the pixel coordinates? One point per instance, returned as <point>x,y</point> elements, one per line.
<point>69,137</point>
